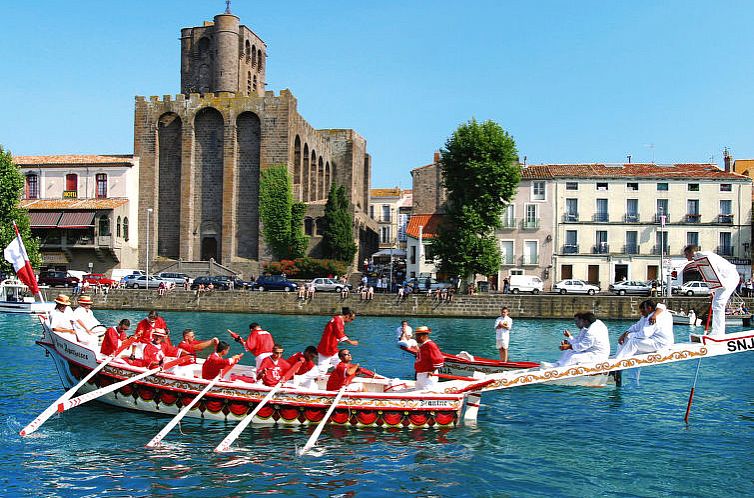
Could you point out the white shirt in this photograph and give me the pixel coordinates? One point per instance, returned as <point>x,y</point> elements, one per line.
<point>725,270</point>
<point>594,339</point>
<point>86,316</point>
<point>399,333</point>
<point>506,322</point>
<point>660,333</point>
<point>62,319</point>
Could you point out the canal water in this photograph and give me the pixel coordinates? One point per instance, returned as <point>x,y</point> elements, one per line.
<point>533,441</point>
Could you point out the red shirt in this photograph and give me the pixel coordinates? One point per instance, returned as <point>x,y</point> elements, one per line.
<point>189,346</point>
<point>338,377</point>
<point>305,366</point>
<point>429,358</point>
<point>259,341</point>
<point>335,331</point>
<point>111,341</point>
<point>146,328</point>
<point>213,365</point>
<point>271,372</point>
<point>152,357</point>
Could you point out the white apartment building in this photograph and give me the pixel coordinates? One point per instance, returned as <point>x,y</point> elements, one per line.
<point>390,208</point>
<point>84,209</point>
<point>626,220</point>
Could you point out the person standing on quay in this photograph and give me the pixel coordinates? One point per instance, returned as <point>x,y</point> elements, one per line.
<point>503,326</point>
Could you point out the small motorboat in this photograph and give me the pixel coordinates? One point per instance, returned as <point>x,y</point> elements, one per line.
<point>15,298</point>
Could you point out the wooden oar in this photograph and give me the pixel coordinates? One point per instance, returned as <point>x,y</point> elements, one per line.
<point>85,398</point>
<point>164,432</point>
<point>315,435</point>
<point>53,408</point>
<point>455,377</point>
<point>696,374</point>
<point>238,429</point>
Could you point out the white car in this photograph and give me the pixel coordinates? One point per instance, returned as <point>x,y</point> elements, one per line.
<point>575,287</point>
<point>693,288</point>
<point>328,285</point>
<point>140,282</point>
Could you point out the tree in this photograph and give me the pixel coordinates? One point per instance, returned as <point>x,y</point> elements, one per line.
<point>11,190</point>
<point>337,239</point>
<point>480,171</point>
<point>282,219</point>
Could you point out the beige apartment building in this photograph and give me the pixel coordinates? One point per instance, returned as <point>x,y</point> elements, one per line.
<point>390,208</point>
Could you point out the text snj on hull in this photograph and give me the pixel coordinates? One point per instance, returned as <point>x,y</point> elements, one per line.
<point>380,402</point>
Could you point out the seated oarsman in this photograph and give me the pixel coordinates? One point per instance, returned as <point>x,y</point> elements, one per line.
<point>273,367</point>
<point>86,322</point>
<point>191,345</point>
<point>216,362</point>
<point>153,354</point>
<point>653,331</point>
<point>114,337</point>
<point>343,373</point>
<point>61,317</point>
<point>429,359</point>
<point>591,344</point>
<point>307,373</point>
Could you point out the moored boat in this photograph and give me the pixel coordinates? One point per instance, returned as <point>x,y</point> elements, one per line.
<point>15,298</point>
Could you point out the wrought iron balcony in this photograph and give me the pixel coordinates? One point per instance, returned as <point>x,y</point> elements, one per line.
<point>570,249</point>
<point>693,218</point>
<point>601,248</point>
<point>631,249</point>
<point>601,217</point>
<point>571,217</point>
<point>658,217</point>
<point>508,223</point>
<point>631,218</point>
<point>725,218</point>
<point>532,259</point>
<point>530,224</point>
<point>725,250</point>
<point>656,250</point>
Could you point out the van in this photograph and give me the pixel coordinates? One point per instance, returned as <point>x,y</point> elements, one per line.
<point>119,273</point>
<point>525,283</point>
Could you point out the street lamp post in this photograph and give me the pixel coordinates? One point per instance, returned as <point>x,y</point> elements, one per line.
<point>149,215</point>
<point>662,248</point>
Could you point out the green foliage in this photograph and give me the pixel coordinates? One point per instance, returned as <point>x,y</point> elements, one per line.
<point>307,267</point>
<point>11,190</point>
<point>481,173</point>
<point>337,238</point>
<point>282,219</point>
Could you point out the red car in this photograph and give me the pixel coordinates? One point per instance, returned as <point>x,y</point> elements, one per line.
<point>97,279</point>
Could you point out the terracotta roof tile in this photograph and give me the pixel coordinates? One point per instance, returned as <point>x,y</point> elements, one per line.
<point>62,160</point>
<point>429,222</point>
<point>43,204</point>
<point>696,171</point>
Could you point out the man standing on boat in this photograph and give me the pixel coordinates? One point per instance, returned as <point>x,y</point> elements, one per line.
<point>114,337</point>
<point>153,323</point>
<point>653,331</point>
<point>405,336</point>
<point>215,363</point>
<point>272,368</point>
<point>334,333</point>
<point>429,359</point>
<point>503,326</point>
<point>191,345</point>
<point>85,322</point>
<point>61,317</point>
<point>592,344</point>
<point>728,276</point>
<point>259,343</point>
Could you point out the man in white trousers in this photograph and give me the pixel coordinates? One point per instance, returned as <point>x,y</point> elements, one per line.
<point>727,274</point>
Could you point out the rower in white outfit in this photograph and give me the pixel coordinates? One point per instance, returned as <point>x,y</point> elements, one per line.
<point>653,331</point>
<point>405,336</point>
<point>728,276</point>
<point>592,344</point>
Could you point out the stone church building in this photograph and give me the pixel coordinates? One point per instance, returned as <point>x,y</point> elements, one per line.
<point>201,153</point>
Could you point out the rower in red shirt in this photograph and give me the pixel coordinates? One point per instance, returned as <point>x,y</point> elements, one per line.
<point>334,334</point>
<point>114,336</point>
<point>428,359</point>
<point>215,363</point>
<point>259,343</point>
<point>191,345</point>
<point>343,373</point>
<point>151,324</point>
<point>154,353</point>
<point>273,367</point>
<point>307,373</point>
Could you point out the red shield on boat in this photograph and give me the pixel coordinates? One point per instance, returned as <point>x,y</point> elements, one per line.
<point>392,418</point>
<point>289,413</point>
<point>266,412</point>
<point>167,398</point>
<point>238,408</point>
<point>146,393</point>
<point>313,414</point>
<point>366,417</point>
<point>340,416</point>
<point>418,418</point>
<point>214,405</point>
<point>445,418</point>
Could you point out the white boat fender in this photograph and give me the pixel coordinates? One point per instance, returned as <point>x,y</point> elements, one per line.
<point>466,355</point>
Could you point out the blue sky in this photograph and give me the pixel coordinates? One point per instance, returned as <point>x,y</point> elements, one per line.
<point>587,81</point>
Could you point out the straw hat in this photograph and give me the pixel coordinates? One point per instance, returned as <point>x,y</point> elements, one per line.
<point>422,330</point>
<point>63,299</point>
<point>85,300</point>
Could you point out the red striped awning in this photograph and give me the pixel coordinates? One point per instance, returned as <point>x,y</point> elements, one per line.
<point>44,219</point>
<point>77,219</point>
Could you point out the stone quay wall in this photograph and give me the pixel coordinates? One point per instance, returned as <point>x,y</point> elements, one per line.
<point>478,306</point>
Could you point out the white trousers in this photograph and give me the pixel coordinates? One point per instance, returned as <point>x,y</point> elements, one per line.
<point>426,380</point>
<point>325,362</point>
<point>634,346</point>
<point>718,310</point>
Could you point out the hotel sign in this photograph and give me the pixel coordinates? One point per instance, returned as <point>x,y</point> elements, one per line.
<point>70,194</point>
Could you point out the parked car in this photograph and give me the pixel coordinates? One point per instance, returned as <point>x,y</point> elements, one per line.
<point>575,287</point>
<point>218,282</point>
<point>328,285</point>
<point>274,282</point>
<point>237,282</point>
<point>693,288</point>
<point>631,287</point>
<point>141,282</point>
<point>423,284</point>
<point>525,283</point>
<point>57,278</point>
<point>177,278</point>
<point>96,279</point>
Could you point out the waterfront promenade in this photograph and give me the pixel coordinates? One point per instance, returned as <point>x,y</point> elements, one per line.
<point>477,306</point>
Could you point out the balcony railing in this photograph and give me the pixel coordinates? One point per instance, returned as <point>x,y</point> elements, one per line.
<point>570,249</point>
<point>571,217</point>
<point>530,224</point>
<point>693,218</point>
<point>601,217</point>
<point>656,250</point>
<point>631,218</point>
<point>725,250</point>
<point>658,217</point>
<point>508,223</point>
<point>631,249</point>
<point>601,248</point>
<point>532,259</point>
<point>725,218</point>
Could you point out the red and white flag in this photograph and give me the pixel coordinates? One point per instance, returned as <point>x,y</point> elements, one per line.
<point>15,254</point>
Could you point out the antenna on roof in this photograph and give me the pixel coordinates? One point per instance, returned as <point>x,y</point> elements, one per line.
<point>629,158</point>
<point>227,6</point>
<point>652,147</point>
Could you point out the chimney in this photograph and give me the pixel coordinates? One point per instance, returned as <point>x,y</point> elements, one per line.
<point>727,159</point>
<point>437,157</point>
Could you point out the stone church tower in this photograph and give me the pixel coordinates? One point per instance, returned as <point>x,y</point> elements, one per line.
<point>201,153</point>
